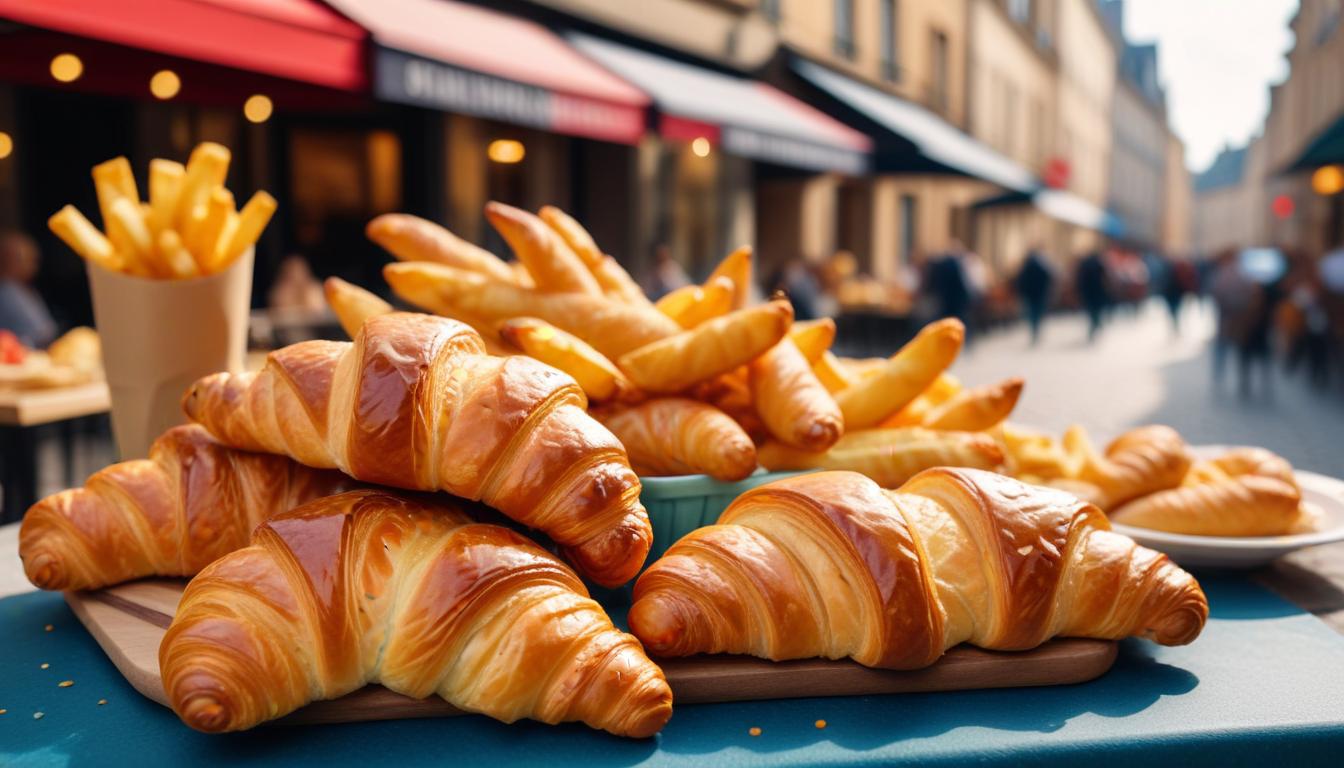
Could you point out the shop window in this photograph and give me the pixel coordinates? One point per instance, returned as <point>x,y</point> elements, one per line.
<point>938,75</point>
<point>770,10</point>
<point>909,222</point>
<point>844,28</point>
<point>341,176</point>
<point>1020,10</point>
<point>888,26</point>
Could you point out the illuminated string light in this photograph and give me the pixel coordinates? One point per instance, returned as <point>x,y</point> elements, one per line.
<point>66,67</point>
<point>258,108</point>
<point>165,84</point>
<point>506,151</point>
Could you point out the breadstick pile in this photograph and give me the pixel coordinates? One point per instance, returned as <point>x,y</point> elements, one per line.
<point>1147,478</point>
<point>697,382</point>
<point>189,227</point>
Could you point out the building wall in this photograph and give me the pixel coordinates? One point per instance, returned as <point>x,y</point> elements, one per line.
<point>1011,84</point>
<point>1138,165</point>
<point>1085,89</point>
<point>1177,200</point>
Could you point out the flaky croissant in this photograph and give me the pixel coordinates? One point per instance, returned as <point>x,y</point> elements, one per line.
<point>679,436</point>
<point>889,456</point>
<point>172,514</point>
<point>791,401</point>
<point>1245,492</point>
<point>830,565</point>
<point>414,403</point>
<point>370,587</point>
<point>1139,462</point>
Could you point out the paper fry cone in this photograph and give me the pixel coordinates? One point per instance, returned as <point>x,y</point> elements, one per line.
<point>160,336</point>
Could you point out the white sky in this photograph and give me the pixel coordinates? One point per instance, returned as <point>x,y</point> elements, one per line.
<point>1217,59</point>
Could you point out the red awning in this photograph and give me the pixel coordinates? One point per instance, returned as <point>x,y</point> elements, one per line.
<point>465,58</point>
<point>295,39</point>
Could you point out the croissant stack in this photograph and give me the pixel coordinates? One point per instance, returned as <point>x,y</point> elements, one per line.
<point>831,565</point>
<point>774,381</point>
<point>371,587</point>
<point>190,502</point>
<point>415,403</point>
<point>1148,479</point>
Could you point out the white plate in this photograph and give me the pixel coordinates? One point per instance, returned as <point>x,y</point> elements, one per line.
<point>1326,494</point>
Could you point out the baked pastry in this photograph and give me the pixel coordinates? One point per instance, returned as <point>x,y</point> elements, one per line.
<point>371,587</point>
<point>1245,492</point>
<point>415,403</point>
<point>791,401</point>
<point>975,409</point>
<point>889,456</point>
<point>871,398</point>
<point>830,565</point>
<point>548,258</point>
<point>715,347</point>
<point>1137,463</point>
<point>190,502</point>
<point>679,436</point>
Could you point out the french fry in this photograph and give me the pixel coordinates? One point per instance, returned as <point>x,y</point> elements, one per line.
<point>791,401</point>
<point>692,305</point>
<point>165,184</point>
<point>831,372</point>
<point>712,348</point>
<point>943,388</point>
<point>736,266</point>
<point>352,304</point>
<point>411,238</point>
<point>611,327</point>
<point>597,376</point>
<point>207,248</point>
<point>117,176</point>
<point>177,261</point>
<point>889,456</point>
<point>206,169</point>
<point>83,238</point>
<point>907,373</point>
<point>554,267</point>
<point>616,283</point>
<point>973,410</point>
<point>813,337</point>
<point>252,219</point>
<point>129,233</point>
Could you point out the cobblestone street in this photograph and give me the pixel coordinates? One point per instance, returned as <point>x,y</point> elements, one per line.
<point>1137,373</point>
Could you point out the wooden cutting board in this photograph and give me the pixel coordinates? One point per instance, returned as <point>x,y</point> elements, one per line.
<point>129,620</point>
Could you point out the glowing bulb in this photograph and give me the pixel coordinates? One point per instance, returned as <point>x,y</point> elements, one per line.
<point>700,147</point>
<point>506,151</point>
<point>66,67</point>
<point>257,108</point>
<point>6,145</point>
<point>1328,180</point>
<point>165,84</point>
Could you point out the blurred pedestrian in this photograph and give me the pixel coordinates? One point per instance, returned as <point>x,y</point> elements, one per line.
<point>798,282</point>
<point>22,310</point>
<point>1177,280</point>
<point>295,288</point>
<point>1033,284</point>
<point>1093,291</point>
<point>948,284</point>
<point>1236,299</point>
<point>668,275</point>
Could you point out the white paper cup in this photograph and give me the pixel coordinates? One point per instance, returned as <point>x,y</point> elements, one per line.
<point>160,336</point>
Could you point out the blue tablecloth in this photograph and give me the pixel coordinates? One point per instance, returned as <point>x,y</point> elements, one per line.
<point>1263,684</point>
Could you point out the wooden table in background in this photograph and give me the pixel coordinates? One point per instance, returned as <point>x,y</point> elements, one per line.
<point>21,412</point>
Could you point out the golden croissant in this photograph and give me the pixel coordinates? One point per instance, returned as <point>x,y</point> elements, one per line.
<point>1138,462</point>
<point>1245,492</point>
<point>830,565</point>
<point>172,514</point>
<point>679,436</point>
<point>415,403</point>
<point>370,587</point>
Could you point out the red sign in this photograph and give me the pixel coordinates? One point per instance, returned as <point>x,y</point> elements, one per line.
<point>1057,171</point>
<point>1282,206</point>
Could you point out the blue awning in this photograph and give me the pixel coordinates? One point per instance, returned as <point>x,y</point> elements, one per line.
<point>743,116</point>
<point>923,141</point>
<point>1061,206</point>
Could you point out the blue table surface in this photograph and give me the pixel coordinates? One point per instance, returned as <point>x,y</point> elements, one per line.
<point>1265,682</point>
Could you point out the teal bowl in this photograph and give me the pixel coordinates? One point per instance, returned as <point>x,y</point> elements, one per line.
<point>679,505</point>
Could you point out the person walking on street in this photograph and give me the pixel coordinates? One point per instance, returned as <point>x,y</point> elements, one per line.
<point>1093,291</point>
<point>949,284</point>
<point>22,310</point>
<point>1033,283</point>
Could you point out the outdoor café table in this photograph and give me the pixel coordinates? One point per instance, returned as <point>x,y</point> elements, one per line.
<point>21,413</point>
<point>1263,685</point>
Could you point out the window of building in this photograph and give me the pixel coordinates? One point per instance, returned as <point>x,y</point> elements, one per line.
<point>770,9</point>
<point>844,28</point>
<point>909,217</point>
<point>887,25</point>
<point>938,73</point>
<point>1020,10</point>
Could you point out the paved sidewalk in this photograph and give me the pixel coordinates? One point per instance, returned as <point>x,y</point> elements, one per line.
<point>1137,372</point>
